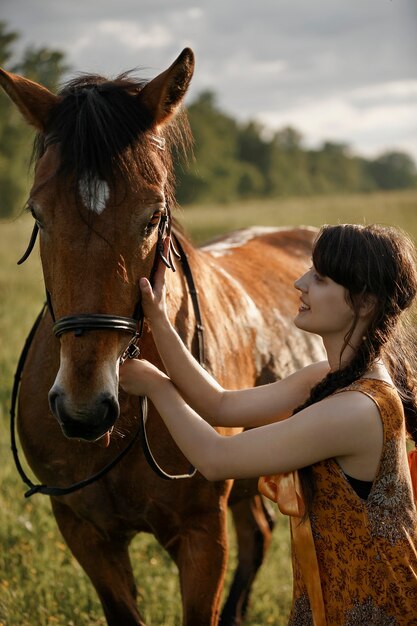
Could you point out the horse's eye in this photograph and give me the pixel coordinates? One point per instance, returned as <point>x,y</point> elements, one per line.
<point>34,215</point>
<point>154,221</point>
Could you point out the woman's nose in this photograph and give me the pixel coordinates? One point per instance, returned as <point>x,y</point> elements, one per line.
<point>301,283</point>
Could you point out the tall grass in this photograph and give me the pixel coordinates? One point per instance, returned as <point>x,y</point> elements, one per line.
<point>394,208</point>
<point>41,584</point>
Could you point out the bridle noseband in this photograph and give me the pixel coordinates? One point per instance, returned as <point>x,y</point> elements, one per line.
<point>96,321</point>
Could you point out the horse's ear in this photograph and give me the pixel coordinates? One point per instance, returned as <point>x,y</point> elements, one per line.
<point>33,101</point>
<point>162,95</point>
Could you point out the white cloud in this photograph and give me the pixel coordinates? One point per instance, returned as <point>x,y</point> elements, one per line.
<point>394,90</point>
<point>134,36</point>
<point>195,13</point>
<point>81,43</point>
<point>245,64</point>
<point>368,129</point>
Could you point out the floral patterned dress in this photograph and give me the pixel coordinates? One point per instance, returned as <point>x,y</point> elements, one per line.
<point>366,549</point>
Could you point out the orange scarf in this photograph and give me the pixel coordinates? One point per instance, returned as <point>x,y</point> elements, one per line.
<point>286,491</point>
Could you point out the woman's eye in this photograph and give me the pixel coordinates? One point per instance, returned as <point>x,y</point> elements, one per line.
<point>317,277</point>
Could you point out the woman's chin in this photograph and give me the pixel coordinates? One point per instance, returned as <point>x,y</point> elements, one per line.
<point>301,322</point>
<point>298,319</point>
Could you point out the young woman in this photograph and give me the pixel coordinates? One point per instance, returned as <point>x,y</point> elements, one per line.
<point>342,423</point>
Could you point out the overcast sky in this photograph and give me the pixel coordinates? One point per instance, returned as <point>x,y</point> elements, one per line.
<point>343,70</point>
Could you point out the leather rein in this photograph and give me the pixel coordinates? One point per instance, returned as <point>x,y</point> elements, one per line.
<point>96,321</point>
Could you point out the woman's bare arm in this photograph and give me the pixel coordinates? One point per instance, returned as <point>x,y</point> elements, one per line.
<point>247,407</point>
<point>339,426</point>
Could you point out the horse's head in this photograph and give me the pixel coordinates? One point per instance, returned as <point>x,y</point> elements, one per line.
<point>102,181</point>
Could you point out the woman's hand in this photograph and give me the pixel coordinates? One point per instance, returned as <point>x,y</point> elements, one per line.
<point>154,299</point>
<point>140,378</point>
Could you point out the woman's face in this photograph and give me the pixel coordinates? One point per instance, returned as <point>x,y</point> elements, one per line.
<point>324,307</point>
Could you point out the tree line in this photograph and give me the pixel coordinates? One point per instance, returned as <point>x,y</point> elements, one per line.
<point>235,160</point>
<point>231,160</point>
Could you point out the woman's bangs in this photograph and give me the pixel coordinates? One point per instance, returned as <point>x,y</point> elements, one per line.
<point>332,256</point>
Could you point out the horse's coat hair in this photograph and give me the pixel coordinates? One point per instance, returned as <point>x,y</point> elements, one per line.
<point>239,238</point>
<point>252,318</point>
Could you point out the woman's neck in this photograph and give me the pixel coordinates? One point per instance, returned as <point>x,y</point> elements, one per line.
<point>335,357</point>
<point>340,353</point>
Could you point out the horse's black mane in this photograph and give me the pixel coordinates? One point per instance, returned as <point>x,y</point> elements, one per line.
<point>101,126</point>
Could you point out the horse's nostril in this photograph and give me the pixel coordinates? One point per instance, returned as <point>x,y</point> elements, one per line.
<point>53,400</point>
<point>111,409</point>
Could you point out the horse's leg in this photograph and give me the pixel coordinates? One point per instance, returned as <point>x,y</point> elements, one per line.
<point>200,553</point>
<point>106,561</point>
<point>254,524</point>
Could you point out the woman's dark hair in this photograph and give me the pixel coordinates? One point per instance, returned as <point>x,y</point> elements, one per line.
<point>377,264</point>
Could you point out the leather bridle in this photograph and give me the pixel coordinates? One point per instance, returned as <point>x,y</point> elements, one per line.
<point>134,325</point>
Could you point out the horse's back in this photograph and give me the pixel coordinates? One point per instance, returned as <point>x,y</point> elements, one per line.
<point>264,245</point>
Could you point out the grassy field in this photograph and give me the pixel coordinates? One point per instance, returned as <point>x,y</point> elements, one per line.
<point>40,583</point>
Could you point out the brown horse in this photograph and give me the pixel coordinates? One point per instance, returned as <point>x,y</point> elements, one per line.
<point>102,182</point>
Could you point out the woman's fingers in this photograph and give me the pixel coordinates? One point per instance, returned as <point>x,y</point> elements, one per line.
<point>146,288</point>
<point>136,376</point>
<point>153,296</point>
<point>159,279</point>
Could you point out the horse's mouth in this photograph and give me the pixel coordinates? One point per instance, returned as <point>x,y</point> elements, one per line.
<point>104,440</point>
<point>91,435</point>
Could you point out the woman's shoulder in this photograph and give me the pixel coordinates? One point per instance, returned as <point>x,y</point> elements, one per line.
<point>341,425</point>
<point>375,388</point>
<point>355,397</point>
<point>351,409</point>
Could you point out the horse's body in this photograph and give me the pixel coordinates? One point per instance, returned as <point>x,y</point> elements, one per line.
<point>91,263</point>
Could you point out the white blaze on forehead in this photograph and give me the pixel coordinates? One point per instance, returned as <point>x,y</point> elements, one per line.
<point>239,238</point>
<point>94,194</point>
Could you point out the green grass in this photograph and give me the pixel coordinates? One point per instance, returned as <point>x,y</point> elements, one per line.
<point>40,582</point>
<point>395,208</point>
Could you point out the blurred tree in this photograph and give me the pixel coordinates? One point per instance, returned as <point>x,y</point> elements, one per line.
<point>239,161</point>
<point>289,173</point>
<point>7,38</point>
<point>11,136</point>
<point>394,170</point>
<point>334,169</point>
<point>289,140</point>
<point>45,66</point>
<point>215,174</point>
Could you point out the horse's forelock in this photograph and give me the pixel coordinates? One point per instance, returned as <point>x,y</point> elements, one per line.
<point>101,127</point>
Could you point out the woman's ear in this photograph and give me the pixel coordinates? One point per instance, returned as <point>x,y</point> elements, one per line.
<point>367,305</point>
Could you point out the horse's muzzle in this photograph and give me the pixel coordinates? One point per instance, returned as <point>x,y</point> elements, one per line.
<point>89,423</point>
